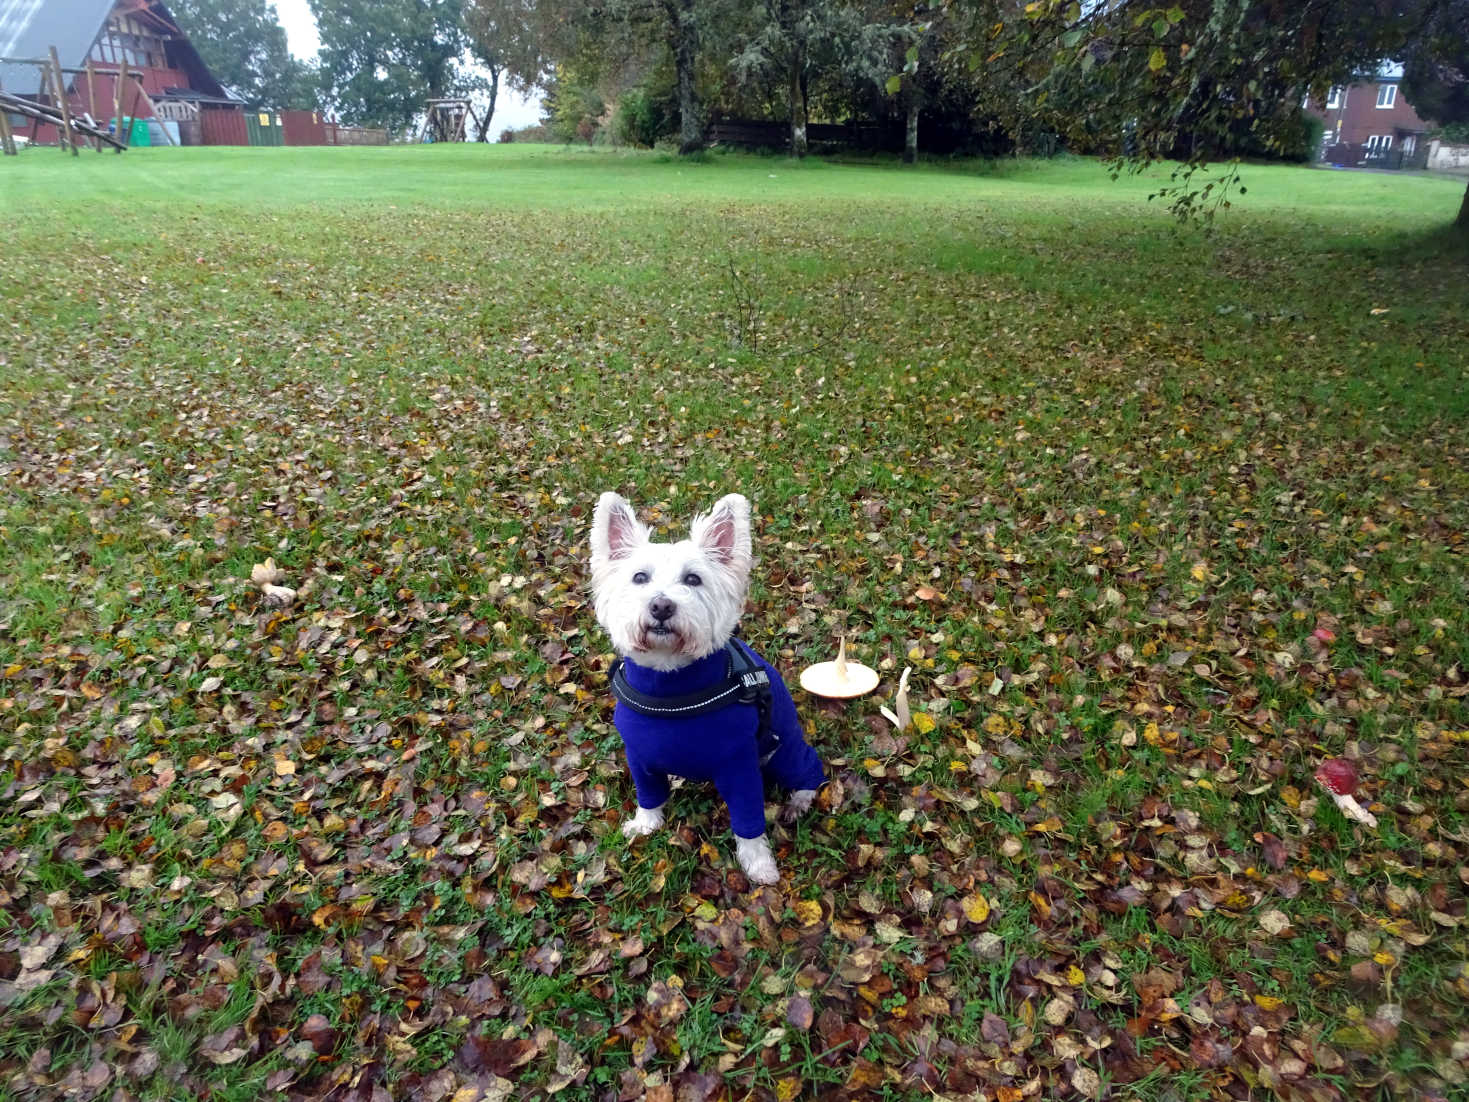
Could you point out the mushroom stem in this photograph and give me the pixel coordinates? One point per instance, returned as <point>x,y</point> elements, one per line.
<point>1353,810</point>
<point>278,596</point>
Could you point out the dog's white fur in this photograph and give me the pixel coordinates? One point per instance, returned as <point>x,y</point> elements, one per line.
<point>629,571</point>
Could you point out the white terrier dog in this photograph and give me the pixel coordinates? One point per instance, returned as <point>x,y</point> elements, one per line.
<point>692,701</point>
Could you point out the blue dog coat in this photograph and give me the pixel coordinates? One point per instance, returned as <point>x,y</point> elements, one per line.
<point>718,746</point>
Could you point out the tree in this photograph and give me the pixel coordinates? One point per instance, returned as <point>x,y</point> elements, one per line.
<point>381,59</point>
<point>1436,76</point>
<point>800,39</point>
<point>244,46</point>
<point>533,36</point>
<point>1141,81</point>
<point>507,37</point>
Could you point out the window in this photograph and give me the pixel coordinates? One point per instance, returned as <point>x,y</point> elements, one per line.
<point>1335,96</point>
<point>1387,95</point>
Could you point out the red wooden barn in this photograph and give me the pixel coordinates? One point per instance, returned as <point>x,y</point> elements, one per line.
<point>169,79</point>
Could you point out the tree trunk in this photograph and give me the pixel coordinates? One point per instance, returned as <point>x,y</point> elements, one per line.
<point>798,106</point>
<point>1463,220</point>
<point>910,135</point>
<point>685,51</point>
<point>484,122</point>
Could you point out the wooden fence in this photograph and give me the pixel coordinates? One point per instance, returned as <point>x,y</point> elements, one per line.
<point>337,134</point>
<point>777,135</point>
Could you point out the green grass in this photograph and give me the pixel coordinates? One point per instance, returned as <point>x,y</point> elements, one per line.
<point>1097,477</point>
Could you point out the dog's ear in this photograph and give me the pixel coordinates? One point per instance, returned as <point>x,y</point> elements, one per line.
<point>724,534</point>
<point>615,530</point>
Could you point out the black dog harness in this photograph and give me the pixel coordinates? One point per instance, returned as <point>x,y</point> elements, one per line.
<point>745,683</point>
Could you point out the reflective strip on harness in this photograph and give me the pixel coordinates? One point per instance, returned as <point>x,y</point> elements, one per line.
<point>640,702</point>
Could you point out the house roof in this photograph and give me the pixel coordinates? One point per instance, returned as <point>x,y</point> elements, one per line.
<point>29,28</point>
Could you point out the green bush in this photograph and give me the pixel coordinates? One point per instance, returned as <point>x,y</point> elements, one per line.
<point>1315,132</point>
<point>572,110</point>
<point>641,118</point>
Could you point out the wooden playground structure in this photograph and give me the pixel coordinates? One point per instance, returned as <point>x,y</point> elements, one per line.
<point>52,107</point>
<point>446,120</point>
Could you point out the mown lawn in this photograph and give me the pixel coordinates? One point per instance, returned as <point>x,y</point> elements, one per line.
<point>1160,520</point>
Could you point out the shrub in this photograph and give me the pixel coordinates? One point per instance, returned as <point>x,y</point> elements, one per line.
<point>1311,147</point>
<point>641,118</point>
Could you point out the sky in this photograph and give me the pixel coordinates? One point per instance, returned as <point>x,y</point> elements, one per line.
<point>511,109</point>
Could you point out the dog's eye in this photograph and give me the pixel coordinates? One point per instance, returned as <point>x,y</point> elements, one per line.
<point>640,578</point>
<point>692,579</point>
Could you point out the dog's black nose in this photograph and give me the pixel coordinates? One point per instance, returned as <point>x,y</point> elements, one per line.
<point>661,608</point>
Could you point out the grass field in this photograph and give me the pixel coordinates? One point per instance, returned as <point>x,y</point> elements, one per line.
<point>1159,519</point>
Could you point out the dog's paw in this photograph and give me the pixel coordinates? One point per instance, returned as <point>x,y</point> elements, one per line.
<point>798,804</point>
<point>756,859</point>
<point>646,821</point>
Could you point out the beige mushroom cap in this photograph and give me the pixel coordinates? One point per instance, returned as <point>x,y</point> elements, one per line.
<point>840,679</point>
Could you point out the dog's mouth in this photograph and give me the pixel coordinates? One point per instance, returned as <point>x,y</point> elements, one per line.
<point>658,637</point>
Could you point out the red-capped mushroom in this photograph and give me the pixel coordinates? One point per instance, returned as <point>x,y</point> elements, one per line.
<point>1339,777</point>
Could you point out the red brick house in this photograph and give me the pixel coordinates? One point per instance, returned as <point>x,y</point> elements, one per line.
<point>1369,123</point>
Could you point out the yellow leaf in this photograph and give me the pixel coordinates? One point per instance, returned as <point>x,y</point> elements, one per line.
<point>1268,1002</point>
<point>284,768</point>
<point>1075,976</point>
<point>976,907</point>
<point>922,723</point>
<point>808,911</point>
<point>1157,59</point>
<point>788,1089</point>
<point>1199,572</point>
<point>1384,958</point>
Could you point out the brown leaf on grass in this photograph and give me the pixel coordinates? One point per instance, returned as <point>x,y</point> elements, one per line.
<point>799,1012</point>
<point>38,952</point>
<point>223,1048</point>
<point>497,1055</point>
<point>1155,984</point>
<point>994,1029</point>
<point>666,1001</point>
<point>318,1032</point>
<point>860,964</point>
<point>865,1075</point>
